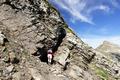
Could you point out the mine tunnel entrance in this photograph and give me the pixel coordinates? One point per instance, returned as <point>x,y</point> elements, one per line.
<point>42,52</point>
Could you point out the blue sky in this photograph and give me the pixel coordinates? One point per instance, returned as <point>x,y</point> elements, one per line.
<point>94,21</point>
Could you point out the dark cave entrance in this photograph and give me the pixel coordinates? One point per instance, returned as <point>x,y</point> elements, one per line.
<point>42,52</point>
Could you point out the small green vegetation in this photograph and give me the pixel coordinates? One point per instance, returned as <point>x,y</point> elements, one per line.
<point>103,74</point>
<point>64,25</point>
<point>51,7</point>
<point>67,28</point>
<point>100,72</point>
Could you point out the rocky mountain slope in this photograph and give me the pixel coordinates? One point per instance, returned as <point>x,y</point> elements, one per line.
<point>28,29</point>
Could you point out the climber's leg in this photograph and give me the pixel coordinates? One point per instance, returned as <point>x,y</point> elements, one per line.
<point>49,58</point>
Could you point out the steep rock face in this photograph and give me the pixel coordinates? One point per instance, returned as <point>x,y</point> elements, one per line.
<point>29,22</point>
<point>32,27</point>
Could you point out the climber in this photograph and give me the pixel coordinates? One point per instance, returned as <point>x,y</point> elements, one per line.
<point>50,56</point>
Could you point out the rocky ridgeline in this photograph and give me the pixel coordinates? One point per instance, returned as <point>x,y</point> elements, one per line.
<point>28,29</point>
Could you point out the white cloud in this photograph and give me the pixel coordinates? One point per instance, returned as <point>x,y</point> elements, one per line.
<point>95,41</point>
<point>81,9</point>
<point>104,8</point>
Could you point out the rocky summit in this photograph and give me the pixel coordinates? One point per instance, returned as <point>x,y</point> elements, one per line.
<point>28,29</point>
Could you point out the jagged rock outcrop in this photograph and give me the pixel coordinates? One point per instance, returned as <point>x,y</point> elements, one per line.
<point>31,28</point>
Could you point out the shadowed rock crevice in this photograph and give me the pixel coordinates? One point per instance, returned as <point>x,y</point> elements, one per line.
<point>42,52</point>
<point>8,2</point>
<point>116,56</point>
<point>60,33</point>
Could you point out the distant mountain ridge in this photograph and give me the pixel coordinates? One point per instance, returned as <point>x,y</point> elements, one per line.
<point>110,50</point>
<point>108,47</point>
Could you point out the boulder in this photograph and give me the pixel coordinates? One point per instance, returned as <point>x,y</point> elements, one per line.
<point>35,74</point>
<point>76,72</point>
<point>13,58</point>
<point>16,76</point>
<point>9,69</point>
<point>62,55</point>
